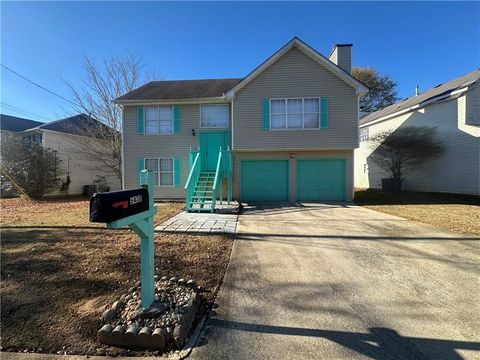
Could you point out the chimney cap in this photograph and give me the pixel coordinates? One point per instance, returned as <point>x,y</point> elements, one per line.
<point>340,45</point>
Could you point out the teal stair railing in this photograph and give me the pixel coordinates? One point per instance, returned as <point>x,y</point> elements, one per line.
<point>195,169</point>
<point>204,189</point>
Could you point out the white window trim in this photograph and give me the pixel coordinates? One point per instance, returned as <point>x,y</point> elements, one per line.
<point>159,133</point>
<point>209,127</point>
<point>173,171</point>
<point>303,114</point>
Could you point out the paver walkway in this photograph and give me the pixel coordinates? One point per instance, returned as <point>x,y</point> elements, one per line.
<point>200,223</point>
<point>344,282</point>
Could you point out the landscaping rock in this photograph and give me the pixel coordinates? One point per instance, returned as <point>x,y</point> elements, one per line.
<point>103,333</point>
<point>165,324</point>
<point>179,335</point>
<point>118,305</point>
<point>158,338</point>
<point>108,315</point>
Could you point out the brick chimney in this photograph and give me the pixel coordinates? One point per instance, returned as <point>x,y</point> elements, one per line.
<point>341,55</point>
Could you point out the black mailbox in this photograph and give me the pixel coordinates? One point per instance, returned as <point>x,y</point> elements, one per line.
<point>110,206</point>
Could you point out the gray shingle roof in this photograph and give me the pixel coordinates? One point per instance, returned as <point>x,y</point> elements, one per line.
<point>181,89</point>
<point>80,124</point>
<point>16,124</point>
<point>438,91</point>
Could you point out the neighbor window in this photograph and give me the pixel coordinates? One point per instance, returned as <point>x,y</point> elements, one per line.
<point>214,116</point>
<point>35,138</point>
<point>162,171</point>
<point>363,134</point>
<point>158,120</point>
<point>297,113</point>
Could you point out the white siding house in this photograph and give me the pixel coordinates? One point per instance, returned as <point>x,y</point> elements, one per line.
<point>82,155</point>
<point>453,109</point>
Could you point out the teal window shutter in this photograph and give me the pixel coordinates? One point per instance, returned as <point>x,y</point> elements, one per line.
<point>176,119</point>
<point>323,113</point>
<point>176,172</point>
<point>140,167</point>
<point>140,121</point>
<point>266,114</point>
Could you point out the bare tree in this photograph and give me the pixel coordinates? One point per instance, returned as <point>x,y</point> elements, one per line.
<point>101,84</point>
<point>398,151</point>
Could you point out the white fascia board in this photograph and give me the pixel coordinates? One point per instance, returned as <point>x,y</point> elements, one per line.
<point>314,55</point>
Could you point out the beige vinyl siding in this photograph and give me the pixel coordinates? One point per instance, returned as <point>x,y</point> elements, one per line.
<point>295,75</point>
<point>455,171</point>
<point>285,155</point>
<point>473,104</point>
<point>160,146</point>
<point>78,161</point>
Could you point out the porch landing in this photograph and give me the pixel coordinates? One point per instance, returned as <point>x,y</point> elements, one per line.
<point>200,223</point>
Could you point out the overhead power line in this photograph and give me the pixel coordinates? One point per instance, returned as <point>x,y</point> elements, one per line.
<point>23,112</point>
<point>38,85</point>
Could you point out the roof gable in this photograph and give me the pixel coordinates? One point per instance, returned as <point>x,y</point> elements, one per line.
<point>308,51</point>
<point>80,124</point>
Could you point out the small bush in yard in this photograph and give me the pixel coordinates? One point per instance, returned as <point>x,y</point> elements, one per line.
<point>36,170</point>
<point>398,151</point>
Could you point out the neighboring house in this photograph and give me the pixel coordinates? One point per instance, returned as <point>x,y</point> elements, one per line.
<point>291,125</point>
<point>74,144</point>
<point>453,108</point>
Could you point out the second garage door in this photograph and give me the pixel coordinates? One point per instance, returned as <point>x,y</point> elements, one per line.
<point>264,180</point>
<point>320,180</point>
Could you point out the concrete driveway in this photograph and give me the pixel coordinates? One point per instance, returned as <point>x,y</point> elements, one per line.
<point>340,282</point>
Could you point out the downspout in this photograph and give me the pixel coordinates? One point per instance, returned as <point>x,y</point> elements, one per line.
<point>231,116</point>
<point>122,149</point>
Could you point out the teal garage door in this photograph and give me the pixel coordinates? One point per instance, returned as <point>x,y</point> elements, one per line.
<point>320,180</point>
<point>264,180</point>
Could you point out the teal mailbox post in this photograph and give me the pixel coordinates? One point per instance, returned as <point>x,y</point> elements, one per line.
<point>131,208</point>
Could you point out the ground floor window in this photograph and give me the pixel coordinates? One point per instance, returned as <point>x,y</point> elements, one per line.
<point>162,171</point>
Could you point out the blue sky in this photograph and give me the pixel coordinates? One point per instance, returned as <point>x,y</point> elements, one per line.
<point>422,43</point>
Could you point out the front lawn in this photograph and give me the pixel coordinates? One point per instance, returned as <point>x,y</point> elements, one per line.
<point>453,212</point>
<point>56,280</point>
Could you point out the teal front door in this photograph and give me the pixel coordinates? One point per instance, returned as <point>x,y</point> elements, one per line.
<point>210,143</point>
<point>264,180</point>
<point>320,180</point>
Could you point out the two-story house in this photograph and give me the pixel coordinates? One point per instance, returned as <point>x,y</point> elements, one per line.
<point>287,131</point>
<point>83,156</point>
<point>453,109</point>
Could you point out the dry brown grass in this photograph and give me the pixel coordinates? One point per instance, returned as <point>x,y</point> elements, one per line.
<point>57,281</point>
<point>453,212</point>
<point>62,212</point>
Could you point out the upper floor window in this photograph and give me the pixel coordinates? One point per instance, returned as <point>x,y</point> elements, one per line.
<point>295,113</point>
<point>214,116</point>
<point>162,171</point>
<point>159,120</point>
<point>363,134</point>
